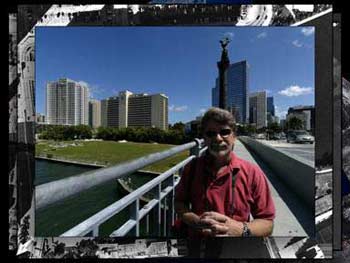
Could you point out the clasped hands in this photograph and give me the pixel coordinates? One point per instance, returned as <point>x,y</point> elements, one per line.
<point>216,224</point>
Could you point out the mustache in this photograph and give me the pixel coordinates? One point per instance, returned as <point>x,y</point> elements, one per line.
<point>218,146</point>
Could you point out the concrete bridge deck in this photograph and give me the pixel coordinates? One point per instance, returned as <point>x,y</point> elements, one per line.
<point>292,216</point>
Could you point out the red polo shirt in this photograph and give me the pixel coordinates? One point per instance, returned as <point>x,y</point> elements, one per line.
<point>213,192</point>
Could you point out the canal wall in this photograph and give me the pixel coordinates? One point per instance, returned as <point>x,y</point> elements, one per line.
<point>296,173</point>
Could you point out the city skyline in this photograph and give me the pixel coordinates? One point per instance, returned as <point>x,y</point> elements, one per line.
<point>180,62</point>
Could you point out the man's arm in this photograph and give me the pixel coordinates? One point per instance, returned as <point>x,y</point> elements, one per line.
<point>185,214</point>
<point>261,227</point>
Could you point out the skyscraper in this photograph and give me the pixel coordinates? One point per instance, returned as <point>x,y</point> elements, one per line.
<point>257,108</point>
<point>135,110</point>
<point>270,110</point>
<point>67,102</point>
<point>237,91</point>
<point>270,106</point>
<point>94,113</point>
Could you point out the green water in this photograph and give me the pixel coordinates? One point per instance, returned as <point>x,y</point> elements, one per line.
<point>61,216</point>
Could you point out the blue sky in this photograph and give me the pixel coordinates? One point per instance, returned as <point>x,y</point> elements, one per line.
<point>177,61</point>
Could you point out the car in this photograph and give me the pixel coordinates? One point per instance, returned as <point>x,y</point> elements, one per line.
<point>275,136</point>
<point>260,136</point>
<point>300,136</point>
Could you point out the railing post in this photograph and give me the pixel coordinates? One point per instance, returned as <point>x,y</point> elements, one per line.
<point>158,216</point>
<point>164,216</point>
<point>195,149</point>
<point>134,214</point>
<point>172,201</point>
<point>95,231</point>
<point>147,224</point>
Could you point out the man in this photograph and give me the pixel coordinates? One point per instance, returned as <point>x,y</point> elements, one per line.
<point>223,190</point>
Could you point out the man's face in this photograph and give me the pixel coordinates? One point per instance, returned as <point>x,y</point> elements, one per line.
<point>219,139</point>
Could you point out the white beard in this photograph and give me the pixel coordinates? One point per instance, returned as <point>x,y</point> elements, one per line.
<point>219,152</point>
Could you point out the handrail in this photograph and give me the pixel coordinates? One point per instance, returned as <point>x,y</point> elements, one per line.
<point>52,192</point>
<point>94,221</point>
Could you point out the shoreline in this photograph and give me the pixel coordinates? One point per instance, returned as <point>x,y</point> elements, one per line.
<point>119,180</point>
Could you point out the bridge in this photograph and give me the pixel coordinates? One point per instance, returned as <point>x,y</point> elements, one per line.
<point>294,217</point>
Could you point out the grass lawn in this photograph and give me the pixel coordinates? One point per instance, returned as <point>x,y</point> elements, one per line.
<point>108,152</point>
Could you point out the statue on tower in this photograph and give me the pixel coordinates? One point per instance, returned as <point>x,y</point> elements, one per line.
<point>224,42</point>
<point>223,64</point>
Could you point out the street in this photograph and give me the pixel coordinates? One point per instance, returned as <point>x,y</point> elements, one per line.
<point>305,151</point>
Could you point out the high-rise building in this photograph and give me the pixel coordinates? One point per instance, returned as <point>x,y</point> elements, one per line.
<point>113,112</point>
<point>257,109</point>
<point>94,113</point>
<point>104,110</point>
<point>306,114</point>
<point>237,91</point>
<point>67,102</point>
<point>135,110</point>
<point>270,106</point>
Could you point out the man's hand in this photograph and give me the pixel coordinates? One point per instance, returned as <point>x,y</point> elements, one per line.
<point>219,224</point>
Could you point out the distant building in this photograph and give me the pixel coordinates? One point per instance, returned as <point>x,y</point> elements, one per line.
<point>104,108</point>
<point>67,102</point>
<point>113,112</point>
<point>40,118</point>
<point>237,91</point>
<point>94,113</point>
<point>282,123</point>
<point>193,127</point>
<point>270,111</point>
<point>304,113</point>
<point>257,109</point>
<point>135,110</point>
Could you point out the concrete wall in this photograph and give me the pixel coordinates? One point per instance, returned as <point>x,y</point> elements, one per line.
<point>298,174</point>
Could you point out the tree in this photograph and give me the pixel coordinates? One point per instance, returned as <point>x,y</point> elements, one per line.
<point>178,126</point>
<point>294,123</point>
<point>274,127</point>
<point>251,129</point>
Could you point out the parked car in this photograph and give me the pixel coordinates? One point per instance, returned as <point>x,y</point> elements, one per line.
<point>300,136</point>
<point>277,136</point>
<point>260,136</point>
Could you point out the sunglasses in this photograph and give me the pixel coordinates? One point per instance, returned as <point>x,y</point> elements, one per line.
<point>223,133</point>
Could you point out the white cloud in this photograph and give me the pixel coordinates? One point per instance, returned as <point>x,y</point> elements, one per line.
<point>307,31</point>
<point>178,109</point>
<point>280,112</point>
<point>262,35</point>
<point>294,91</point>
<point>96,90</point>
<point>297,43</point>
<point>83,83</point>
<point>202,111</point>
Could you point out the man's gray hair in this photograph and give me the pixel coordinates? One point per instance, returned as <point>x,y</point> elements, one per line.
<point>223,117</point>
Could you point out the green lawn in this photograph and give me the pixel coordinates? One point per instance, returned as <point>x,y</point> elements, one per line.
<point>108,152</point>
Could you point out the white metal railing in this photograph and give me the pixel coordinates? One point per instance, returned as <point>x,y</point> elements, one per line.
<point>162,203</point>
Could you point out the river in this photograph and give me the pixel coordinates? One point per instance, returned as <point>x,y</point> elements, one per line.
<point>47,171</point>
<point>61,216</point>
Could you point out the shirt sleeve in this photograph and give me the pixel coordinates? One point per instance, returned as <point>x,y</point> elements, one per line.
<point>263,206</point>
<point>181,192</point>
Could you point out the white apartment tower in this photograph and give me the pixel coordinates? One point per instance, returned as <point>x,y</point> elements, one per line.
<point>67,102</point>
